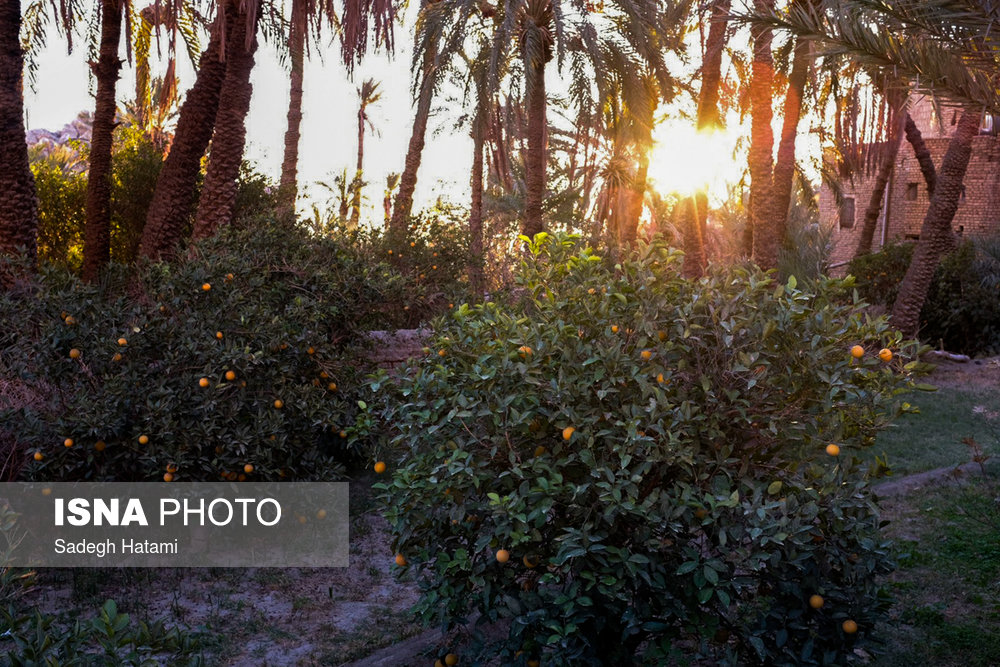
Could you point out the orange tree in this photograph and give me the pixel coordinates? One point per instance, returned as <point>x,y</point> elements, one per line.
<point>626,465</point>
<point>242,361</point>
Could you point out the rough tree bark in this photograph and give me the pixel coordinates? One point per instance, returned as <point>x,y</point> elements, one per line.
<point>694,251</point>
<point>784,166</point>
<point>19,213</point>
<point>476,279</point>
<point>288,185</point>
<point>922,153</point>
<point>97,227</point>
<point>535,156</point>
<point>936,237</point>
<point>878,188</point>
<point>218,194</point>
<point>765,238</point>
<point>170,209</point>
<point>408,180</point>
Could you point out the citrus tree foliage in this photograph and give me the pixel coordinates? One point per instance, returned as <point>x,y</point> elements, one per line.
<point>648,455</point>
<point>249,352</point>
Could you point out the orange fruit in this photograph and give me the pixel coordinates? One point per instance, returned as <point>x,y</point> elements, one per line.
<point>70,320</point>
<point>100,445</point>
<point>524,350</point>
<point>451,305</point>
<point>659,378</point>
<point>332,386</point>
<point>230,375</point>
<point>311,350</point>
<point>122,342</point>
<point>857,351</point>
<point>568,432</point>
<point>400,560</point>
<point>323,374</point>
<point>539,450</point>
<point>885,354</point>
<point>380,467</point>
<point>74,353</point>
<point>39,456</point>
<point>229,277</point>
<point>278,403</point>
<point>701,513</point>
<point>503,556</point>
<point>662,335</point>
<point>171,467</point>
<point>117,357</point>
<point>413,244</point>
<point>167,477</point>
<point>248,468</point>
<point>241,478</point>
<point>530,561</point>
<point>218,334</point>
<point>68,442</point>
<point>816,601</point>
<point>203,382</point>
<point>143,439</point>
<point>646,355</point>
<point>206,286</point>
<point>451,660</point>
<point>441,352</point>
<point>591,291</point>
<point>833,450</point>
<point>343,434</point>
<point>614,328</point>
<point>321,514</point>
<point>850,627</point>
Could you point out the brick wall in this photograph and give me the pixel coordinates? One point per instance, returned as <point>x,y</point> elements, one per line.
<point>978,213</point>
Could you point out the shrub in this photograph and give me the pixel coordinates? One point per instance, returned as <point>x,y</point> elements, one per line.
<point>286,314</point>
<point>650,453</point>
<point>961,312</point>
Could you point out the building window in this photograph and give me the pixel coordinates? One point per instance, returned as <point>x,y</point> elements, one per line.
<point>847,213</point>
<point>911,191</point>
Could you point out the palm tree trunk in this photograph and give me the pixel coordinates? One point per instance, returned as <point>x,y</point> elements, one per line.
<point>535,156</point>
<point>711,66</point>
<point>764,229</point>
<point>218,194</point>
<point>935,235</point>
<point>414,152</point>
<point>784,166</point>
<point>637,198</point>
<point>476,279</point>
<point>170,209</point>
<point>19,213</point>
<point>878,189</point>
<point>694,249</point>
<point>922,153</point>
<point>288,186</point>
<point>359,171</point>
<point>97,228</point>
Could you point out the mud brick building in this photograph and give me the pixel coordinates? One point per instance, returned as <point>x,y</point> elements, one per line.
<point>906,198</point>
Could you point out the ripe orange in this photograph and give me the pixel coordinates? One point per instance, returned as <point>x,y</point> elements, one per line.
<point>646,355</point>
<point>203,382</point>
<point>343,434</point>
<point>591,291</point>
<point>39,456</point>
<point>659,378</point>
<point>614,328</point>
<point>278,403</point>
<point>662,335</point>
<point>229,277</point>
<point>100,445</point>
<point>701,513</point>
<point>400,560</point>
<point>530,562</point>
<point>332,386</point>
<point>857,351</point>
<point>503,556</point>
<point>167,477</point>
<point>850,627</point>
<point>539,450</point>
<point>451,660</point>
<point>122,342</point>
<point>248,468</point>
<point>816,601</point>
<point>70,320</point>
<point>380,467</point>
<point>524,350</point>
<point>206,286</point>
<point>117,357</point>
<point>68,442</point>
<point>230,375</point>
<point>833,450</point>
<point>568,432</point>
<point>171,467</point>
<point>885,354</point>
<point>413,244</point>
<point>441,352</point>
<point>321,514</point>
<point>143,439</point>
<point>218,334</point>
<point>311,350</point>
<point>324,375</point>
<point>241,478</point>
<point>451,305</point>
<point>74,353</point>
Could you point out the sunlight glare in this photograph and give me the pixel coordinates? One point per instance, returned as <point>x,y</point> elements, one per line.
<point>683,159</point>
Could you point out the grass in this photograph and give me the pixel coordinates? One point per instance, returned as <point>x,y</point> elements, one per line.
<point>933,438</point>
<point>947,586</point>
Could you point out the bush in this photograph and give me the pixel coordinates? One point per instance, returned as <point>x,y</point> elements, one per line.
<point>650,453</point>
<point>961,312</point>
<point>284,313</point>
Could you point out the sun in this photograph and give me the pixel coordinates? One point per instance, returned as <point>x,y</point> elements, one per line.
<point>684,159</point>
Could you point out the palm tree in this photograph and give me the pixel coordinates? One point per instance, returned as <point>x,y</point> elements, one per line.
<point>97,230</point>
<point>19,212</point>
<point>536,41</point>
<point>368,94</point>
<point>391,183</point>
<point>218,194</point>
<point>425,80</point>
<point>763,242</point>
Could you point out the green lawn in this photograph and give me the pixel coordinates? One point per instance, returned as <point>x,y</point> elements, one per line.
<point>933,438</point>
